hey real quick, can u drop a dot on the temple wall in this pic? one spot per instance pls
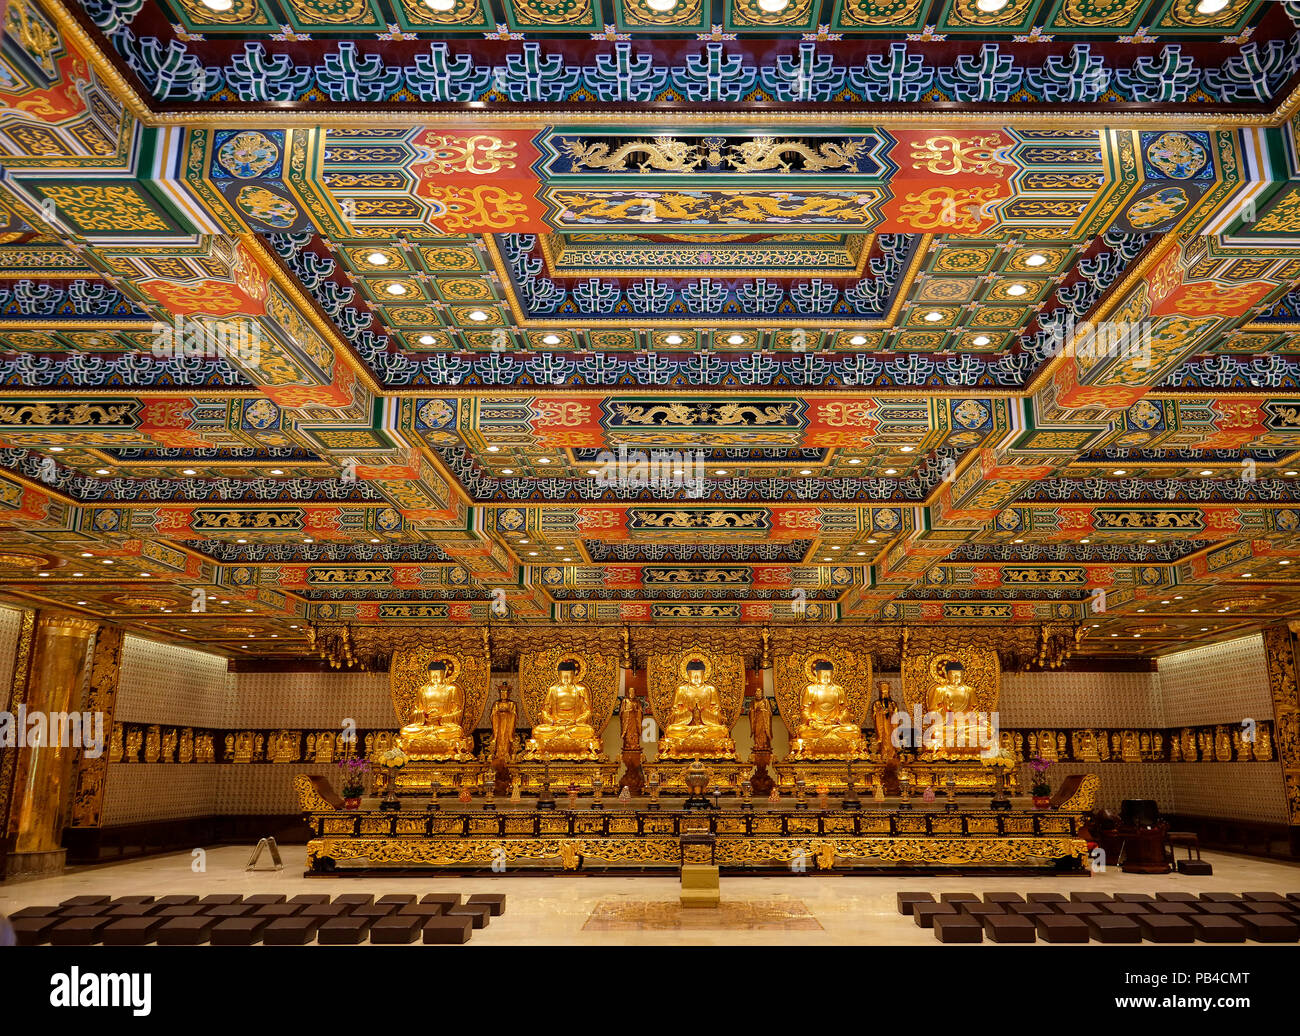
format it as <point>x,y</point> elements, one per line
<point>164,684</point>
<point>10,625</point>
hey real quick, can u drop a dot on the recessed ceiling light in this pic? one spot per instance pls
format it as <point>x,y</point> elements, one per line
<point>493,449</point>
<point>1293,472</point>
<point>933,316</point>
<point>83,602</point>
<point>377,259</point>
<point>661,5</point>
<point>855,460</point>
<point>1151,541</point>
<point>532,553</point>
<point>43,575</point>
<point>440,5</point>
<point>145,575</point>
<point>87,554</point>
<point>981,340</point>
<point>1284,562</point>
<point>276,471</point>
<point>1037,259</point>
<point>241,541</point>
<point>1017,541</point>
<point>720,471</point>
<point>101,471</point>
<point>78,573</point>
<point>543,460</point>
<point>248,610</point>
<point>862,553</point>
<point>523,541</point>
<point>991,6</point>
<point>1141,610</point>
<point>858,340</point>
<point>1206,471</point>
<point>1247,575</point>
<point>507,471</point>
<point>592,471</point>
<point>891,471</point>
<point>1119,471</point>
<point>906,449</point>
<point>56,449</point>
<point>218,5</point>
<point>1085,540</point>
<point>773,6</point>
<point>835,548</point>
<point>107,561</point>
<point>550,339</point>
<point>426,339</point>
<point>307,539</point>
<point>805,471</point>
<point>735,339</point>
<point>871,541</point>
<point>396,289</point>
<point>477,315</point>
<point>826,559</point>
<point>1204,628</point>
<point>188,471</point>
<point>568,559</point>
<point>1211,6</point>
<point>674,339</point>
<point>1017,289</point>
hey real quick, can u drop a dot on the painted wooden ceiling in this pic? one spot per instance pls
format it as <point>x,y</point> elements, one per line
<point>948,311</point>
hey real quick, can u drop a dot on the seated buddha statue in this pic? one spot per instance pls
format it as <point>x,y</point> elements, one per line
<point>564,729</point>
<point>825,727</point>
<point>954,701</point>
<point>696,725</point>
<point>434,731</point>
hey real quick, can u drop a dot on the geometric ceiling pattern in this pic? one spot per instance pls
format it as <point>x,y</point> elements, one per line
<point>447,311</point>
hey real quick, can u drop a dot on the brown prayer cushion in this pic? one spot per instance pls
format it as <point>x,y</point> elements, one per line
<point>33,931</point>
<point>1009,928</point>
<point>1263,897</point>
<point>1217,928</point>
<point>131,910</point>
<point>907,900</point>
<point>35,911</point>
<point>264,899</point>
<point>1031,910</point>
<point>399,899</point>
<point>1282,909</point>
<point>447,899</point>
<point>1165,928</point>
<point>1079,909</point>
<point>1173,909</point>
<point>178,900</point>
<point>79,931</point>
<point>82,901</point>
<point>1220,897</point>
<point>958,897</point>
<point>979,911</point>
<point>290,931</point>
<point>1113,928</point>
<point>953,928</point>
<point>1091,897</point>
<point>324,911</point>
<point>1223,909</point>
<point>494,901</point>
<point>132,931</point>
<point>274,910</point>
<point>310,898</point>
<point>85,911</point>
<point>375,911</point>
<point>1003,897</point>
<point>1270,927</point>
<point>189,910</point>
<point>1175,897</point>
<point>1045,897</point>
<point>1125,909</point>
<point>221,899</point>
<point>443,929</point>
<point>1134,897</point>
<point>131,900</point>
<point>356,899</point>
<point>1061,928</point>
<point>344,930</point>
<point>396,929</point>
<point>185,931</point>
<point>479,914</point>
<point>231,910</point>
<point>425,910</point>
<point>238,931</point>
<point>924,913</point>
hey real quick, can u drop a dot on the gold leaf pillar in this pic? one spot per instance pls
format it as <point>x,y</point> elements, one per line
<point>92,774</point>
<point>43,774</point>
<point>1280,650</point>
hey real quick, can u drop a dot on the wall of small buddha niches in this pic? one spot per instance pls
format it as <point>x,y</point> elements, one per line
<point>191,739</point>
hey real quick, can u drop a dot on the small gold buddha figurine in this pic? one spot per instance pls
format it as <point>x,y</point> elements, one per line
<point>564,730</point>
<point>434,731</point>
<point>825,727</point>
<point>696,724</point>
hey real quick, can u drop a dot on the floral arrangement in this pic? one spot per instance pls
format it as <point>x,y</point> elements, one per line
<point>354,770</point>
<point>1040,788</point>
<point>1001,760</point>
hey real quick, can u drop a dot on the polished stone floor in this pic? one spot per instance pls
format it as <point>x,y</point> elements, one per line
<point>801,909</point>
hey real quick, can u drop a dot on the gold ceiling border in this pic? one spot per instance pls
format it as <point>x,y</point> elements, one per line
<point>598,673</point>
<point>794,671</point>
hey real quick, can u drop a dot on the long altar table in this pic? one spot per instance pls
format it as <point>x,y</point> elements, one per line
<point>622,836</point>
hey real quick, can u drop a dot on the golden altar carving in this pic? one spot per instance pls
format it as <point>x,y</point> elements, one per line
<point>547,691</point>
<point>414,688</point>
<point>823,725</point>
<point>927,683</point>
<point>697,696</point>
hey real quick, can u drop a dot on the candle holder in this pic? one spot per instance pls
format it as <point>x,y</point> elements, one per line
<point>489,790</point>
<point>747,794</point>
<point>800,790</point>
<point>596,787</point>
<point>434,788</point>
<point>904,792</point>
<point>950,794</point>
<point>654,790</point>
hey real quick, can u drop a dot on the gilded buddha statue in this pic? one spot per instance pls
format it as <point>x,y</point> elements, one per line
<point>826,728</point>
<point>564,729</point>
<point>696,724</point>
<point>951,698</point>
<point>435,731</point>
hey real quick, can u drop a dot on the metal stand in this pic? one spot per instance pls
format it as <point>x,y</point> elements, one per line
<point>265,843</point>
